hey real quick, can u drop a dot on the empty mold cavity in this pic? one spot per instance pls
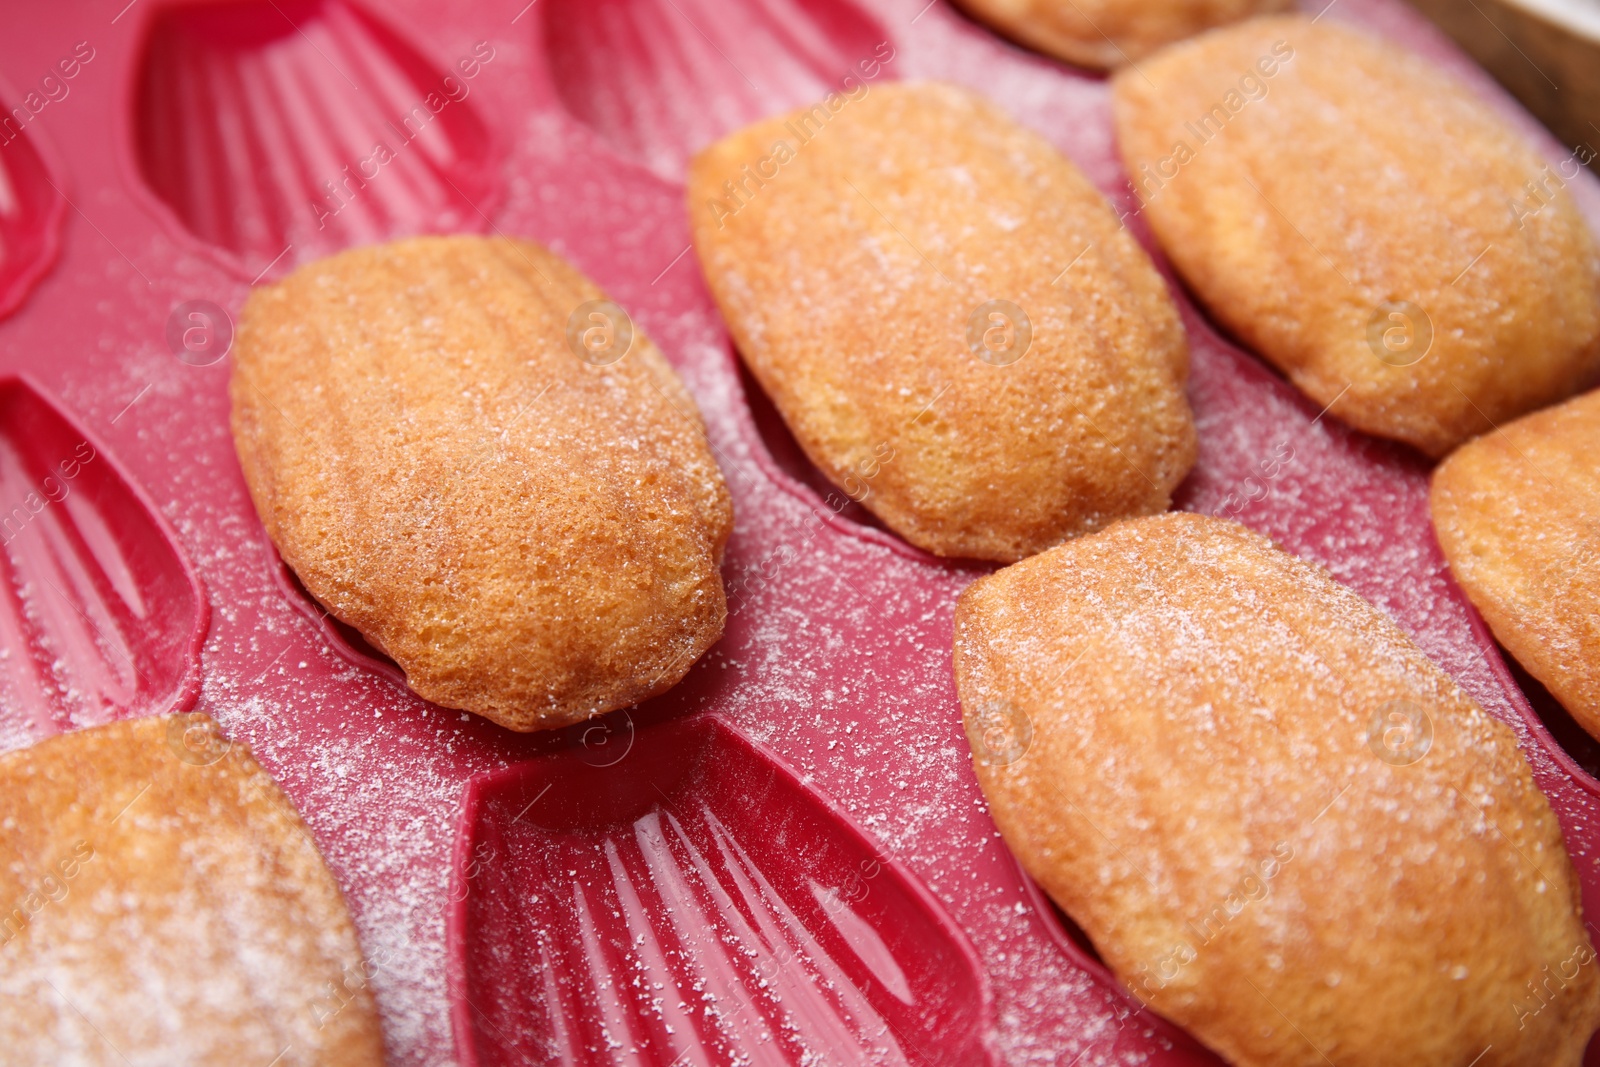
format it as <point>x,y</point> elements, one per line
<point>267,125</point>
<point>694,904</point>
<point>661,79</point>
<point>30,211</point>
<point>101,617</point>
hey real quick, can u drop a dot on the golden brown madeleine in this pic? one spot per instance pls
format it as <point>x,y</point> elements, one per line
<point>1517,512</point>
<point>500,484</point>
<point>1109,33</point>
<point>1366,224</point>
<point>1282,826</point>
<point>948,317</point>
<point>166,905</point>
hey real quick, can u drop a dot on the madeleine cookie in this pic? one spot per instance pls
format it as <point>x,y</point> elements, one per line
<point>1366,224</point>
<point>1109,33</point>
<point>1517,512</point>
<point>470,456</point>
<point>1282,826</point>
<point>948,317</point>
<point>166,905</point>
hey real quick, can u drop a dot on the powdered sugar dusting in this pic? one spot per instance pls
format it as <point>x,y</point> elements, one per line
<point>837,649</point>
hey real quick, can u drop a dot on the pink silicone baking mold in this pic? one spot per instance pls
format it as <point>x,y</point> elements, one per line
<point>786,858</point>
<point>702,907</point>
<point>31,206</point>
<point>101,616</point>
<point>280,132</point>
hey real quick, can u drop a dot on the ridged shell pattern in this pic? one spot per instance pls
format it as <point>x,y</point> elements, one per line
<point>30,209</point>
<point>661,79</point>
<point>694,904</point>
<point>282,131</point>
<point>100,616</point>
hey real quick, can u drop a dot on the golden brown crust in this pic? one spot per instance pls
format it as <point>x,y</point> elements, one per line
<point>849,278</point>
<point>1517,512</point>
<point>1210,754</point>
<point>532,537</point>
<point>166,905</point>
<point>1342,182</point>
<point>1102,34</point>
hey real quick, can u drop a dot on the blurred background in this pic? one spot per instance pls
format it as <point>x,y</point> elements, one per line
<point>1546,52</point>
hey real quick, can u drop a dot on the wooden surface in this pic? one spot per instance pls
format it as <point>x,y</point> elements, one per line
<point>1546,52</point>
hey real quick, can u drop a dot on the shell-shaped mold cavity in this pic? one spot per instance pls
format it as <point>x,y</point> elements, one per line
<point>282,130</point>
<point>691,902</point>
<point>31,207</point>
<point>101,616</point>
<point>661,79</point>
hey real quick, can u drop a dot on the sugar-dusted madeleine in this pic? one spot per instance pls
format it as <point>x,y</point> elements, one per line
<point>1281,825</point>
<point>499,481</point>
<point>1517,512</point>
<point>1366,224</point>
<point>1110,33</point>
<point>166,905</point>
<point>948,317</point>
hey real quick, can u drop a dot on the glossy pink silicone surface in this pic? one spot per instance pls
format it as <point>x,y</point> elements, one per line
<point>276,133</point>
<point>101,617</point>
<point>701,906</point>
<point>31,206</point>
<point>786,858</point>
